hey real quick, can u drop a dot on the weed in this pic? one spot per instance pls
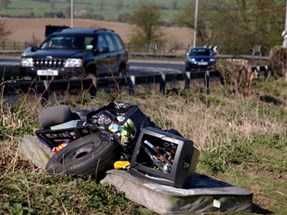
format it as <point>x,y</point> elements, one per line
<point>222,155</point>
<point>241,140</point>
<point>30,193</point>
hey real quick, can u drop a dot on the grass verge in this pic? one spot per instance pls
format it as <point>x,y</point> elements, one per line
<point>242,140</point>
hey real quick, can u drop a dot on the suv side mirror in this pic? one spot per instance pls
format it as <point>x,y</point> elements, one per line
<point>33,48</point>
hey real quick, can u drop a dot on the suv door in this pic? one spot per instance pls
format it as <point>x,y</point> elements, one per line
<point>112,52</point>
<point>122,54</point>
<point>102,55</point>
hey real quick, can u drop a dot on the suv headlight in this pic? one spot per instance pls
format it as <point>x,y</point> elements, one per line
<point>27,62</point>
<point>73,62</point>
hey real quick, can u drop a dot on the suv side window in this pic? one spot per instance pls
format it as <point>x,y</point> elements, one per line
<point>101,43</point>
<point>111,44</point>
<point>89,41</point>
<point>118,41</point>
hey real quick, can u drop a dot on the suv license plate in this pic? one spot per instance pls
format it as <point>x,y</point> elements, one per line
<point>202,63</point>
<point>47,72</point>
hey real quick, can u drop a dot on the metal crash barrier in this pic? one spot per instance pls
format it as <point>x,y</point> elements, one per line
<point>158,80</point>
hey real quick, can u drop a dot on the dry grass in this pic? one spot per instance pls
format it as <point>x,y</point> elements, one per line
<point>11,159</point>
<point>238,75</point>
<point>241,139</point>
<point>191,115</point>
<point>278,58</point>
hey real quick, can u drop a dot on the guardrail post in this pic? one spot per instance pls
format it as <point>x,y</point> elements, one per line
<point>266,71</point>
<point>132,83</point>
<point>162,83</point>
<point>93,88</point>
<point>187,80</point>
<point>206,81</point>
<point>43,88</point>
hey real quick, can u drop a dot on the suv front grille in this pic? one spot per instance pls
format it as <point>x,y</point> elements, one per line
<point>49,63</point>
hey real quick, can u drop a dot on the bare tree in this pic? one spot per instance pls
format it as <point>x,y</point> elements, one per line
<point>101,5</point>
<point>146,19</point>
<point>237,26</point>
<point>119,5</point>
<point>4,33</point>
<point>174,4</point>
<point>52,5</point>
<point>186,18</point>
<point>247,23</point>
<point>5,3</point>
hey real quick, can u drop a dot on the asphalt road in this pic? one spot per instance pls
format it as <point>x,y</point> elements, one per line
<point>5,61</point>
<point>137,67</point>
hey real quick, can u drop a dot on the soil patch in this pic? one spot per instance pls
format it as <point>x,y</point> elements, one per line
<point>27,29</point>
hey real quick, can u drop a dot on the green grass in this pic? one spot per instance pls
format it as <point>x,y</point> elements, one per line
<point>110,11</point>
<point>242,140</point>
<point>42,194</point>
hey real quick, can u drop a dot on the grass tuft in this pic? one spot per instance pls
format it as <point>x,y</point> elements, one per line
<point>242,140</point>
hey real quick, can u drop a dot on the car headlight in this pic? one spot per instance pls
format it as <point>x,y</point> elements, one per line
<point>27,62</point>
<point>191,59</point>
<point>212,60</point>
<point>73,62</point>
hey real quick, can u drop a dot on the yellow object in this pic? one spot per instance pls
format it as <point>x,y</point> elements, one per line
<point>121,164</point>
<point>59,147</point>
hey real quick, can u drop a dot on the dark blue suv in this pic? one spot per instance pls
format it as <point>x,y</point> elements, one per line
<point>199,58</point>
<point>75,53</point>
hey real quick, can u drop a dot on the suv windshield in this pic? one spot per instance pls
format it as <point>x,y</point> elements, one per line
<point>67,42</point>
<point>200,52</point>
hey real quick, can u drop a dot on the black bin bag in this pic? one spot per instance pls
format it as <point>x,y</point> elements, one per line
<point>104,116</point>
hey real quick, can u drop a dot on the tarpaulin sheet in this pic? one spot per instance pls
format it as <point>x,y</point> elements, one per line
<point>201,194</point>
<point>35,150</point>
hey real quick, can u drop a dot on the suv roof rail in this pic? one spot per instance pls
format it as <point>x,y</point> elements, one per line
<point>103,29</point>
<point>94,30</point>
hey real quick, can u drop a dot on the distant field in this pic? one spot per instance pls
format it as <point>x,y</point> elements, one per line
<point>110,10</point>
<point>26,19</point>
<point>24,30</point>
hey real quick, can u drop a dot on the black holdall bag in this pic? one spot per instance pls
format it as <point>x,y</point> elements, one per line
<point>105,115</point>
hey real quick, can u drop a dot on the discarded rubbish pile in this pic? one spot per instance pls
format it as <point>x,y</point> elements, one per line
<point>119,145</point>
<point>118,135</point>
